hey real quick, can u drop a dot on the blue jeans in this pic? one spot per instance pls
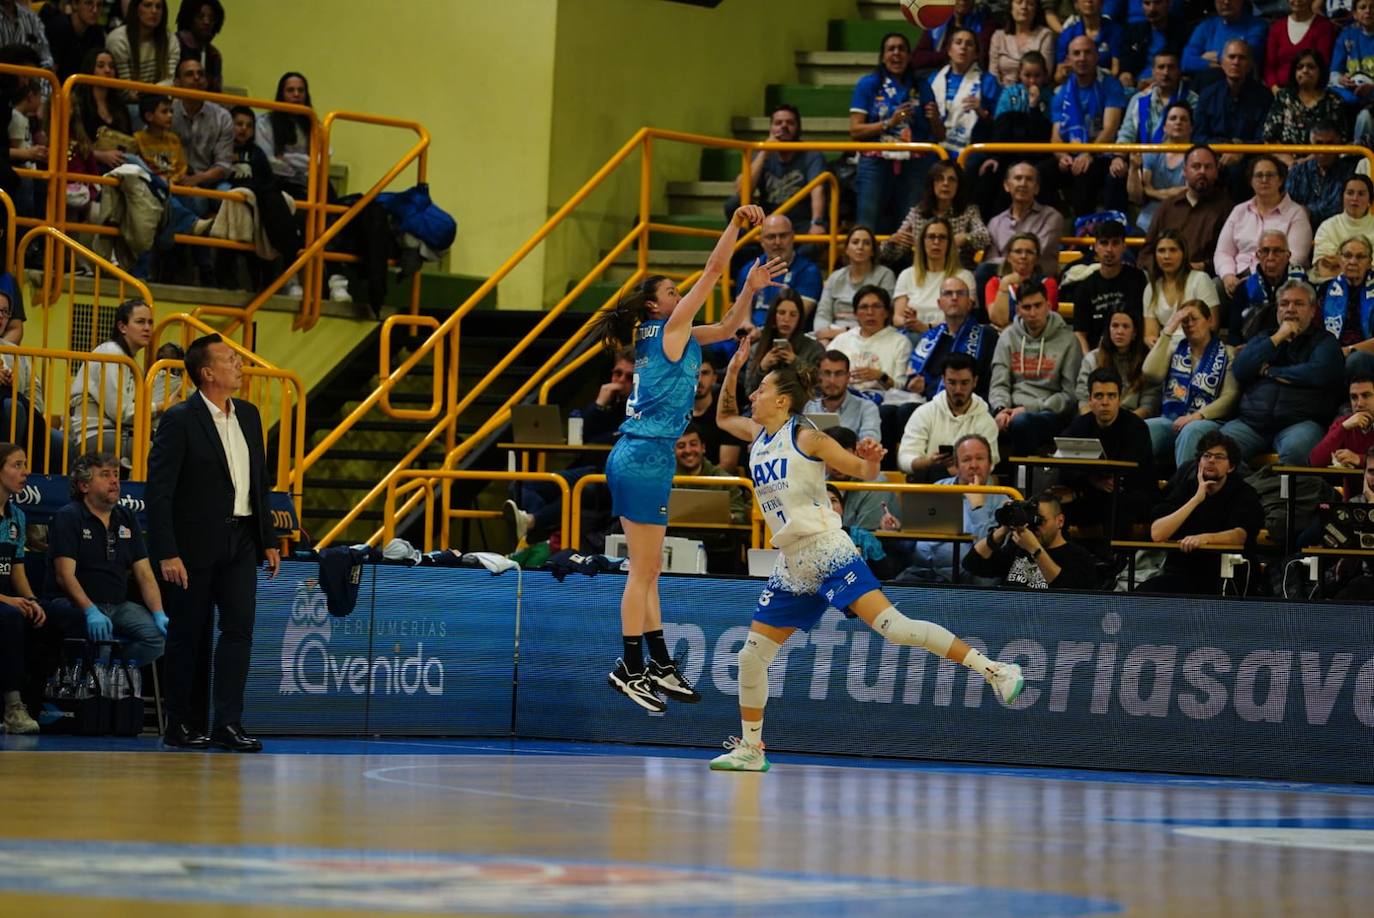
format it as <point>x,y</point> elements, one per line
<point>1030,430</point>
<point>886,189</point>
<point>1293,443</point>
<point>133,627</point>
<point>1184,443</point>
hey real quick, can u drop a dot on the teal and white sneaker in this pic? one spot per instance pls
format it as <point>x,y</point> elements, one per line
<point>1007,681</point>
<point>742,756</point>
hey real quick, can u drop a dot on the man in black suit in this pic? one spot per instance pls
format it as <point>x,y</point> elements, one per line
<point>208,526</point>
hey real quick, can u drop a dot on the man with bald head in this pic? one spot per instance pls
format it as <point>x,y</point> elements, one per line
<point>779,241</point>
<point>1233,110</point>
<point>1251,309</point>
<point>1087,108</point>
<point>1204,54</point>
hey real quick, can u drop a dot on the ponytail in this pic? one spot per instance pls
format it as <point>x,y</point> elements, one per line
<point>797,384</point>
<point>615,327</point>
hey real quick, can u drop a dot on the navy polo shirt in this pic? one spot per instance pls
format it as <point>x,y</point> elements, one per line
<point>104,558</point>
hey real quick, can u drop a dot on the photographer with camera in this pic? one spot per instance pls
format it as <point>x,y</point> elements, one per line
<point>1028,549</point>
<point>1207,504</point>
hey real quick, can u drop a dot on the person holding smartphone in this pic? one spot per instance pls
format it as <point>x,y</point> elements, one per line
<point>783,341</point>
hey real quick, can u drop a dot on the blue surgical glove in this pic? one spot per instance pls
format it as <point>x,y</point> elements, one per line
<point>98,625</point>
<point>160,619</point>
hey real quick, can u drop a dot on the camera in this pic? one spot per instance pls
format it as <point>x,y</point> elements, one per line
<point>1016,513</point>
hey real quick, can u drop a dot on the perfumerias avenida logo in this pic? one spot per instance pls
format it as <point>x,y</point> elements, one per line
<point>322,655</point>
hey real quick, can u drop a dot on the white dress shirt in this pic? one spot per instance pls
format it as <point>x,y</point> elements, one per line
<point>236,450</point>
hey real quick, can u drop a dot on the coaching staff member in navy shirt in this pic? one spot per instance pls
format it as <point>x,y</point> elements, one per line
<point>208,527</point>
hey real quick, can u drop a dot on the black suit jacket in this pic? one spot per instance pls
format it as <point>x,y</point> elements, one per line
<point>190,495</point>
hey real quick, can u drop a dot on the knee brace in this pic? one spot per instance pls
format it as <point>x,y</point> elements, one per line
<point>758,651</point>
<point>899,629</point>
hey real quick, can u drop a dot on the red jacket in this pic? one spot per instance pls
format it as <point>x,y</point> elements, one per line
<point>1279,51</point>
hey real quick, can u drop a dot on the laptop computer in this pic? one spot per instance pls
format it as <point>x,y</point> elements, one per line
<point>927,512</point>
<point>824,419</point>
<point>1078,448</point>
<point>698,505</point>
<point>538,424</point>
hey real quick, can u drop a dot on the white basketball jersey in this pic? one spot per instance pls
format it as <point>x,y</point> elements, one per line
<point>790,487</point>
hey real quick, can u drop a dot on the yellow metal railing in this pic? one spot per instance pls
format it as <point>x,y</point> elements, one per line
<point>63,254</point>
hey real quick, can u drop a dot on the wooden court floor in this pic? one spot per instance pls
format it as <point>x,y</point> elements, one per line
<point>345,828</point>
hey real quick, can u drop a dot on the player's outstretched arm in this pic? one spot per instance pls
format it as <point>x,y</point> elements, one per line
<point>728,417</point>
<point>761,275</point>
<point>864,463</point>
<point>680,323</point>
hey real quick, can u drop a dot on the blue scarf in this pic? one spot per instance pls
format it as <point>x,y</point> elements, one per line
<point>1336,303</point>
<point>1257,292</point>
<point>1143,117</point>
<point>1188,388</point>
<point>1075,124</point>
<point>970,340</point>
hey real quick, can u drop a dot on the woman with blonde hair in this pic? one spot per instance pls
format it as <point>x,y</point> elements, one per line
<point>916,298</point>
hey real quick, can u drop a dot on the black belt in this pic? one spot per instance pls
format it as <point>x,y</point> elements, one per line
<point>238,520</point>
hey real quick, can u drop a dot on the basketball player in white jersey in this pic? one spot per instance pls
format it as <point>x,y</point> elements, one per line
<point>818,565</point>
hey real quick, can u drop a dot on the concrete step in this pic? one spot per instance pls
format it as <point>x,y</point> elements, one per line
<point>703,198</point>
<point>834,68</point>
<point>884,10</point>
<point>829,128</point>
<point>812,101</point>
<point>867,34</point>
<point>713,222</point>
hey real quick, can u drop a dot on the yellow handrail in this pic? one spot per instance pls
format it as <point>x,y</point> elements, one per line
<point>436,402</point>
<point>709,481</point>
<point>56,242</point>
<point>419,480</point>
<point>58,412</point>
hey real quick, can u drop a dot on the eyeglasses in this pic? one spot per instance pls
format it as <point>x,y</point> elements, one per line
<point>1216,456</point>
<point>932,237</point>
<point>1272,250</point>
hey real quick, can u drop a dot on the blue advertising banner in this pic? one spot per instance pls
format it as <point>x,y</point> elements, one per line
<point>1257,688</point>
<point>426,651</point>
<point>1262,689</point>
<point>44,495</point>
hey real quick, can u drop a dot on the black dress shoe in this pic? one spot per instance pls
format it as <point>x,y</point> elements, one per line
<point>180,737</point>
<point>232,737</point>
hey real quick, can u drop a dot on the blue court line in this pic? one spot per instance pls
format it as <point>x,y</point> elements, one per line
<point>505,746</point>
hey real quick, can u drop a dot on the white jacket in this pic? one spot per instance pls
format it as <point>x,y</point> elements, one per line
<point>933,425</point>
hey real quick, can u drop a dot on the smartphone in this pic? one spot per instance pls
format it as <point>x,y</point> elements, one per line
<point>782,344</point>
<point>947,450</point>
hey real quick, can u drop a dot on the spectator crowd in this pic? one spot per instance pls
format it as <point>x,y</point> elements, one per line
<point>1221,314</point>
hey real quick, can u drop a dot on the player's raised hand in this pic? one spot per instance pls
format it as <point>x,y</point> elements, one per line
<point>741,355</point>
<point>750,214</point>
<point>870,450</point>
<point>764,274</point>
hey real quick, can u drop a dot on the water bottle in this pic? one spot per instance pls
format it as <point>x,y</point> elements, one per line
<point>53,687</point>
<point>119,680</point>
<point>135,680</point>
<point>90,687</point>
<point>100,678</point>
<point>74,687</point>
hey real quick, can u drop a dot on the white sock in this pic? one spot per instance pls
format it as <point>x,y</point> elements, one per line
<point>13,700</point>
<point>752,732</point>
<point>979,663</point>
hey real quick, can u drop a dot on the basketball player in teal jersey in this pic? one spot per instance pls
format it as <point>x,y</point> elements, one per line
<point>818,565</point>
<point>658,319</point>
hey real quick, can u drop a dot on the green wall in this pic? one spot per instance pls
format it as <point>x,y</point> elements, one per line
<point>525,99</point>
<point>625,64</point>
<point>475,73</point>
